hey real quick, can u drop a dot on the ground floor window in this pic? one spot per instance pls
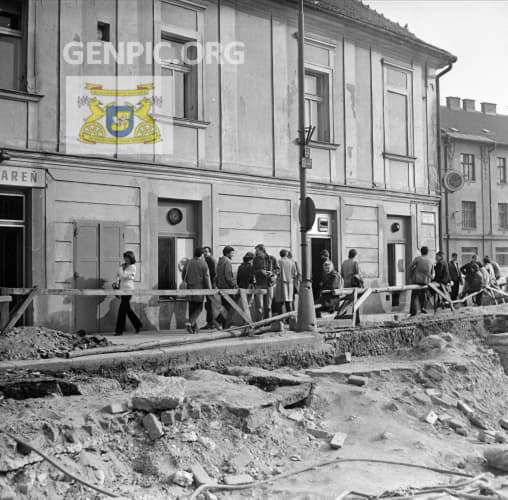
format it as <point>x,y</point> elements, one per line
<point>502,256</point>
<point>467,253</point>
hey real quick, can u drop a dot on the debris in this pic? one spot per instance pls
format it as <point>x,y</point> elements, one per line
<point>432,343</point>
<point>168,417</point>
<point>208,443</point>
<point>189,437</point>
<point>342,359</point>
<point>457,426</point>
<point>465,408</point>
<point>338,440</point>
<point>497,458</point>
<point>391,407</point>
<point>445,418</point>
<point>431,418</point>
<point>444,400</point>
<point>115,408</point>
<point>241,460</point>
<point>295,458</point>
<point>478,421</point>
<point>435,371</point>
<point>488,437</point>
<point>200,475</point>
<point>6,492</point>
<point>358,380</point>
<point>160,393</point>
<point>385,436</point>
<point>500,437</point>
<point>153,426</point>
<point>432,392</point>
<point>422,398</point>
<point>232,480</point>
<point>295,416</point>
<point>504,423</point>
<point>318,433</point>
<point>183,478</point>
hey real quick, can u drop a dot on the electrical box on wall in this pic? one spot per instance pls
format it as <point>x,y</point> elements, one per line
<point>323,224</point>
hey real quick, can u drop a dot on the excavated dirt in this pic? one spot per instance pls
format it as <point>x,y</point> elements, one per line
<point>32,342</point>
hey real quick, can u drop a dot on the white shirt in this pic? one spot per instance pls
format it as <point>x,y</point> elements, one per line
<point>126,277</point>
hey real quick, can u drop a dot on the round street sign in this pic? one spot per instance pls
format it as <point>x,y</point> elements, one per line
<point>307,214</point>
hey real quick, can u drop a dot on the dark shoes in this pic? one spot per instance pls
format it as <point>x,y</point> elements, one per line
<point>138,329</point>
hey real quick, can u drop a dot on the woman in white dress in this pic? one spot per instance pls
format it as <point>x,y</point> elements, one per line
<point>125,281</point>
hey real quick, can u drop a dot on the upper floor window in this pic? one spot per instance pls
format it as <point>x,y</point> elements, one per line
<point>180,65</point>
<point>468,215</point>
<point>398,111</point>
<point>12,44</point>
<point>317,104</point>
<point>502,256</point>
<point>501,170</point>
<point>468,167</point>
<point>503,215</point>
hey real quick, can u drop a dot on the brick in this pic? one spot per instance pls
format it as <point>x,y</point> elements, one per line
<point>235,480</point>
<point>318,433</point>
<point>168,417</point>
<point>338,440</point>
<point>431,418</point>
<point>358,380</point>
<point>200,475</point>
<point>153,426</point>
<point>114,408</point>
<point>465,408</point>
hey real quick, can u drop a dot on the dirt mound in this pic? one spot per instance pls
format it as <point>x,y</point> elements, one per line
<point>31,342</point>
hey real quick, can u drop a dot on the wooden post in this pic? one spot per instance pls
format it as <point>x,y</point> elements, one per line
<point>5,300</point>
<point>20,310</point>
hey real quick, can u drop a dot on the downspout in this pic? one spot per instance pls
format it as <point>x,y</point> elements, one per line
<point>453,59</point>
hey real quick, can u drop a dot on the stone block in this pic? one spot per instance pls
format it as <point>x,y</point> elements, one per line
<point>164,393</point>
<point>338,440</point>
<point>200,475</point>
<point>153,426</point>
<point>478,421</point>
<point>344,358</point>
<point>235,480</point>
<point>168,417</point>
<point>358,380</point>
<point>115,408</point>
<point>318,433</point>
<point>488,437</point>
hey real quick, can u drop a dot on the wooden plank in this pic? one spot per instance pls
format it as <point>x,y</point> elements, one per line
<point>445,296</point>
<point>362,299</point>
<point>21,310</point>
<point>353,306</point>
<point>95,292</point>
<point>263,322</point>
<point>5,298</point>
<point>234,305</point>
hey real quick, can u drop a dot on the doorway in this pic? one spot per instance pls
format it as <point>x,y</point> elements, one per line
<point>398,253</point>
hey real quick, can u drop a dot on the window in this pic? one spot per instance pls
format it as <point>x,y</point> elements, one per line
<point>398,111</point>
<point>501,170</point>
<point>502,256</point>
<point>103,32</point>
<point>317,105</point>
<point>467,253</point>
<point>468,215</point>
<point>468,170</point>
<point>179,58</point>
<point>12,44</point>
<point>503,215</point>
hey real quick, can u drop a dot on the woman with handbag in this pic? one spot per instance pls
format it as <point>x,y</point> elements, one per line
<point>125,281</point>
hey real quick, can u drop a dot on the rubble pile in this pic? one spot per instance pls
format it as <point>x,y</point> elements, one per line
<point>33,342</point>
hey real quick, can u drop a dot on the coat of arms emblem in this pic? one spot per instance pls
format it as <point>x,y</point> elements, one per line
<point>114,123</point>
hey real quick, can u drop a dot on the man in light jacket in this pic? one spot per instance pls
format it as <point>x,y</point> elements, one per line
<point>197,277</point>
<point>420,273</point>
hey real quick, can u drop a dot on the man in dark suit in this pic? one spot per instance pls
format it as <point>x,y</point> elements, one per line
<point>455,276</point>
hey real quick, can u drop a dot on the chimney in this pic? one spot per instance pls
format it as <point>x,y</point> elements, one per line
<point>468,105</point>
<point>453,103</point>
<point>488,108</point>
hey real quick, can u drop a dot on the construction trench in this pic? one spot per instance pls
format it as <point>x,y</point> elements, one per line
<point>416,408</point>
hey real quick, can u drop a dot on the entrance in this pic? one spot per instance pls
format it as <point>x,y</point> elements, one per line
<point>12,241</point>
<point>398,253</point>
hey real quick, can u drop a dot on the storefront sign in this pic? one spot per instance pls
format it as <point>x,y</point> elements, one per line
<point>22,177</point>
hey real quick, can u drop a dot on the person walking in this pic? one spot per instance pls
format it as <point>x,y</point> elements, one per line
<point>420,273</point>
<point>455,276</point>
<point>197,277</point>
<point>441,277</point>
<point>225,281</point>
<point>125,276</point>
<point>245,273</point>
<point>266,271</point>
<point>350,272</point>
<point>210,304</point>
<point>284,288</point>
<point>297,282</point>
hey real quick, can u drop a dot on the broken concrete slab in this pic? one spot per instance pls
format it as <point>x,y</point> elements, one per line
<point>267,379</point>
<point>358,380</point>
<point>161,393</point>
<point>153,426</point>
<point>200,475</point>
<point>290,395</point>
<point>318,433</point>
<point>431,418</point>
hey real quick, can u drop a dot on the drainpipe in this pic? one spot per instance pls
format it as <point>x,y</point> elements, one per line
<point>452,60</point>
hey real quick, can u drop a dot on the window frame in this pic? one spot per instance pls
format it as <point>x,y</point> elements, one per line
<point>325,74</point>
<point>502,251</point>
<point>470,167</point>
<point>409,94</point>
<point>502,213</point>
<point>22,34</point>
<point>501,169</point>
<point>473,216</point>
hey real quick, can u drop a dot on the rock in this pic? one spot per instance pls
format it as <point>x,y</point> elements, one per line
<point>447,337</point>
<point>241,460</point>
<point>181,414</point>
<point>358,380</point>
<point>497,458</point>
<point>295,416</point>
<point>209,496</point>
<point>200,475</point>
<point>232,480</point>
<point>189,437</point>
<point>488,437</point>
<point>432,343</point>
<point>500,437</point>
<point>208,443</point>
<point>50,431</point>
<point>343,359</point>
<point>338,440</point>
<point>432,392</point>
<point>318,433</point>
<point>295,458</point>
<point>115,408</point>
<point>444,400</point>
<point>391,407</point>
<point>290,395</point>
<point>435,371</point>
<point>431,418</point>
<point>465,408</point>
<point>6,492</point>
<point>267,379</point>
<point>445,418</point>
<point>478,421</point>
<point>385,436</point>
<point>183,478</point>
<point>163,393</point>
<point>422,398</point>
<point>168,417</point>
<point>25,481</point>
<point>461,431</point>
<point>504,423</point>
<point>456,424</point>
<point>153,426</point>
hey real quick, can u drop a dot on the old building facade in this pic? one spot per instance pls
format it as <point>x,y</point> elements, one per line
<point>232,175</point>
<point>475,144</point>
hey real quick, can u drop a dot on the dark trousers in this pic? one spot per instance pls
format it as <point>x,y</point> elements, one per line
<point>277,307</point>
<point>124,311</point>
<point>209,311</point>
<point>454,294</point>
<point>418,295</point>
<point>223,321</point>
<point>195,309</point>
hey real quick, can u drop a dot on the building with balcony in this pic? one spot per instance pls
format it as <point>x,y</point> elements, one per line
<point>229,174</point>
<point>475,145</point>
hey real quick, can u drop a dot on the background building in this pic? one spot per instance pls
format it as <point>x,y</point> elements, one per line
<point>233,175</point>
<point>475,144</point>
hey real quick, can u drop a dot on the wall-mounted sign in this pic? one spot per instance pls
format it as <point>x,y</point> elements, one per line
<point>22,177</point>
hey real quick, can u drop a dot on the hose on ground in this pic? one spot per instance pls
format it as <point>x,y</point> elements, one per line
<point>284,475</point>
<point>54,463</point>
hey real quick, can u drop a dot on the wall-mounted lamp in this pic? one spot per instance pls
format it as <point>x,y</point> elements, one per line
<point>4,156</point>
